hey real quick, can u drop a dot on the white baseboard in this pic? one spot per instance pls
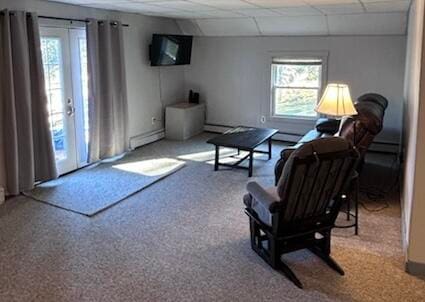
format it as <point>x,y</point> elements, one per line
<point>144,139</point>
<point>292,138</point>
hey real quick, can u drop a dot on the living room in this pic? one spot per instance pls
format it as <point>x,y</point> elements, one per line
<point>211,150</point>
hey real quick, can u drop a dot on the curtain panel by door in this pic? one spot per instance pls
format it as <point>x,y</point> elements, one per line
<point>27,154</point>
<point>108,115</point>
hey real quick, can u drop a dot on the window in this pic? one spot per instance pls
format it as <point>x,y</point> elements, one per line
<point>296,87</point>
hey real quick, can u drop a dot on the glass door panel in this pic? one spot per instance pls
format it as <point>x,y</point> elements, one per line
<point>80,91</point>
<point>58,82</point>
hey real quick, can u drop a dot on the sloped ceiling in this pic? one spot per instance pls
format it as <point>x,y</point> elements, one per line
<point>270,17</point>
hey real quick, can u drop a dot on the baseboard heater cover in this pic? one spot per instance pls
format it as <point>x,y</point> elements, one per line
<point>144,139</point>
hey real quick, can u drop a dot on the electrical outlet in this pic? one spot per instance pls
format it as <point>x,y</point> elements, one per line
<point>153,120</point>
<point>263,119</point>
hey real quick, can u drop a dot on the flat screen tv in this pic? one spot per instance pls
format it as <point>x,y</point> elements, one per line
<point>168,50</point>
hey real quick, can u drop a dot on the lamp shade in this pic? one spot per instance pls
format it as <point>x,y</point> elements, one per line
<point>336,101</point>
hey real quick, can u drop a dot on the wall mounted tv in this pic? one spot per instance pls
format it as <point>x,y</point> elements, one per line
<point>168,50</point>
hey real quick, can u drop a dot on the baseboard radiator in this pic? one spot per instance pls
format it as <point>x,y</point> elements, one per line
<point>144,139</point>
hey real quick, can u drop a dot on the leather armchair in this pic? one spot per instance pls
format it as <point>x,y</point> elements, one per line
<point>359,130</point>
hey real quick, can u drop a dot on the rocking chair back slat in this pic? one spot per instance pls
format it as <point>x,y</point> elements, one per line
<point>320,181</point>
<point>299,193</point>
<point>312,184</point>
<point>330,186</point>
<point>322,188</point>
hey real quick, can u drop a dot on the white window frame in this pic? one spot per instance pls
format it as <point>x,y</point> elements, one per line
<point>298,55</point>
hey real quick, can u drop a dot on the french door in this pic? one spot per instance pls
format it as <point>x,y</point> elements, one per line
<point>64,55</point>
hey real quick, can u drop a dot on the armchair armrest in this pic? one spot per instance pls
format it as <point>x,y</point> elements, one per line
<point>326,125</point>
<point>265,198</point>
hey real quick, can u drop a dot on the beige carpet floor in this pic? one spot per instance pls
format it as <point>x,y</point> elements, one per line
<point>186,238</point>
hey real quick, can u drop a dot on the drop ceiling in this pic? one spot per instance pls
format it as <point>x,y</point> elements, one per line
<point>270,17</point>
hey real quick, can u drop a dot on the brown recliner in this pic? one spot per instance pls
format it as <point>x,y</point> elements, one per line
<point>359,130</point>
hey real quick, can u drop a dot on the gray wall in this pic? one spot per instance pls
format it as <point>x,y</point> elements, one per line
<point>145,84</point>
<point>233,75</point>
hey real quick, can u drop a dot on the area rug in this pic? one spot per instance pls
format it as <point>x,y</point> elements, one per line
<point>97,188</point>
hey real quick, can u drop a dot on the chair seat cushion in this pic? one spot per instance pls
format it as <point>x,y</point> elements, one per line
<point>262,211</point>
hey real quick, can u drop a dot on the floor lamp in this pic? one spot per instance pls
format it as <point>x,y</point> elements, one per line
<point>336,102</point>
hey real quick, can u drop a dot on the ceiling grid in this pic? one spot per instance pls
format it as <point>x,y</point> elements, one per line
<point>270,17</point>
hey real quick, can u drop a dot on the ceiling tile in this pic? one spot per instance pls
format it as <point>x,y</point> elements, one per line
<point>228,27</point>
<point>225,4</point>
<point>184,15</point>
<point>181,5</point>
<point>298,11</point>
<point>330,2</point>
<point>393,6</point>
<point>189,27</point>
<point>223,14</point>
<point>374,1</point>
<point>341,9</point>
<point>77,2</point>
<point>276,3</point>
<point>115,5</point>
<point>311,25</point>
<point>368,24</point>
<point>257,12</point>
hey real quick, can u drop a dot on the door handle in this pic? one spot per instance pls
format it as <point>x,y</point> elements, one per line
<point>70,110</point>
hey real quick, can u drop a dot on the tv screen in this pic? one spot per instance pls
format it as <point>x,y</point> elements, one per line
<point>170,50</point>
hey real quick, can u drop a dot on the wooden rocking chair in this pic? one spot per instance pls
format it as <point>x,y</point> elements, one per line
<point>301,210</point>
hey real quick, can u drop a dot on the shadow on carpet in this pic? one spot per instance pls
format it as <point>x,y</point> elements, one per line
<point>97,188</point>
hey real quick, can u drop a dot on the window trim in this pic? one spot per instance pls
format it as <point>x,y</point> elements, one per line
<point>296,55</point>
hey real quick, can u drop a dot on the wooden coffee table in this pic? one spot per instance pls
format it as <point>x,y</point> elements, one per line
<point>243,138</point>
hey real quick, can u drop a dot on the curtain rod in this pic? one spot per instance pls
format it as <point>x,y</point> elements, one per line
<point>70,19</point>
<point>76,20</point>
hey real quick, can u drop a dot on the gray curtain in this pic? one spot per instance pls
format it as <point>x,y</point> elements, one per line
<point>27,143</point>
<point>108,116</point>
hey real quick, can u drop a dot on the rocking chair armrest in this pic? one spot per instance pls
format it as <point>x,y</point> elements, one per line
<point>262,196</point>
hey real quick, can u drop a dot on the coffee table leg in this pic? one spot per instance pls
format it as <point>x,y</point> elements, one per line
<point>217,153</point>
<point>270,148</point>
<point>251,159</point>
